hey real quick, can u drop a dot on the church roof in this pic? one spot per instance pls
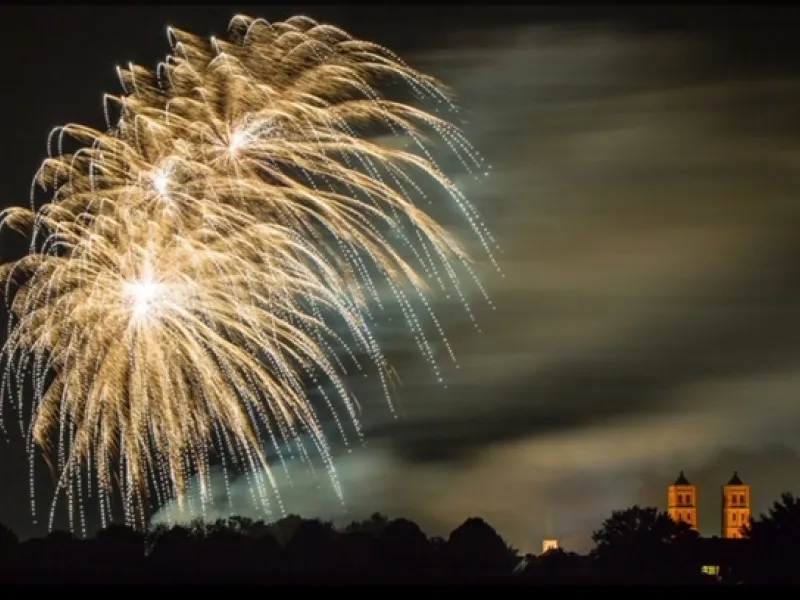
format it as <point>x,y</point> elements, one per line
<point>735,479</point>
<point>681,480</point>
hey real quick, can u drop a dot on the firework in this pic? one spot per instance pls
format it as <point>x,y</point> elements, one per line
<point>218,252</point>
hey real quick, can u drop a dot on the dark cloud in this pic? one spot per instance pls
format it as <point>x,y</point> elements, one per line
<point>739,330</point>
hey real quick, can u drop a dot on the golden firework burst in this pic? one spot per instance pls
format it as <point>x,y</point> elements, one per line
<point>205,261</point>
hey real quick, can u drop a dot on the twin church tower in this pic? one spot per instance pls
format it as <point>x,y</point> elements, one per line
<point>682,504</point>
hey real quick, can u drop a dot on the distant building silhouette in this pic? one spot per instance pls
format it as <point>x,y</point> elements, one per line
<point>682,501</point>
<point>735,507</point>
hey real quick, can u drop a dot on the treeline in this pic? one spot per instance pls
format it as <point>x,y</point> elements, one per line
<point>632,545</point>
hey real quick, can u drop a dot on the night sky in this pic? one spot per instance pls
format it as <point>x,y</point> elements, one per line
<point>645,193</point>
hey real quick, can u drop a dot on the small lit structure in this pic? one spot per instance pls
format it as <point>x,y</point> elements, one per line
<point>712,570</point>
<point>548,545</point>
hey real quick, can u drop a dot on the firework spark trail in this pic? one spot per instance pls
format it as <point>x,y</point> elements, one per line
<point>197,261</point>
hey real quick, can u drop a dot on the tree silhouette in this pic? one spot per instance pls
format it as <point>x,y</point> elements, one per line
<point>632,545</point>
<point>64,553</point>
<point>154,533</point>
<point>267,552</point>
<point>310,548</point>
<point>241,524</point>
<point>775,541</point>
<point>356,552</point>
<point>373,526</point>
<point>645,541</point>
<point>556,565</point>
<point>9,546</point>
<point>257,530</point>
<point>175,538</point>
<point>174,550</point>
<point>235,545</point>
<point>120,547</point>
<point>474,547</point>
<point>203,529</point>
<point>119,535</point>
<point>404,548</point>
<point>284,529</point>
<point>8,539</point>
<point>225,548</point>
<point>60,538</point>
<point>439,555</point>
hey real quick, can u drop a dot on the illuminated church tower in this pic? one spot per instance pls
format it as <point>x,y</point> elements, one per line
<point>682,501</point>
<point>735,507</point>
